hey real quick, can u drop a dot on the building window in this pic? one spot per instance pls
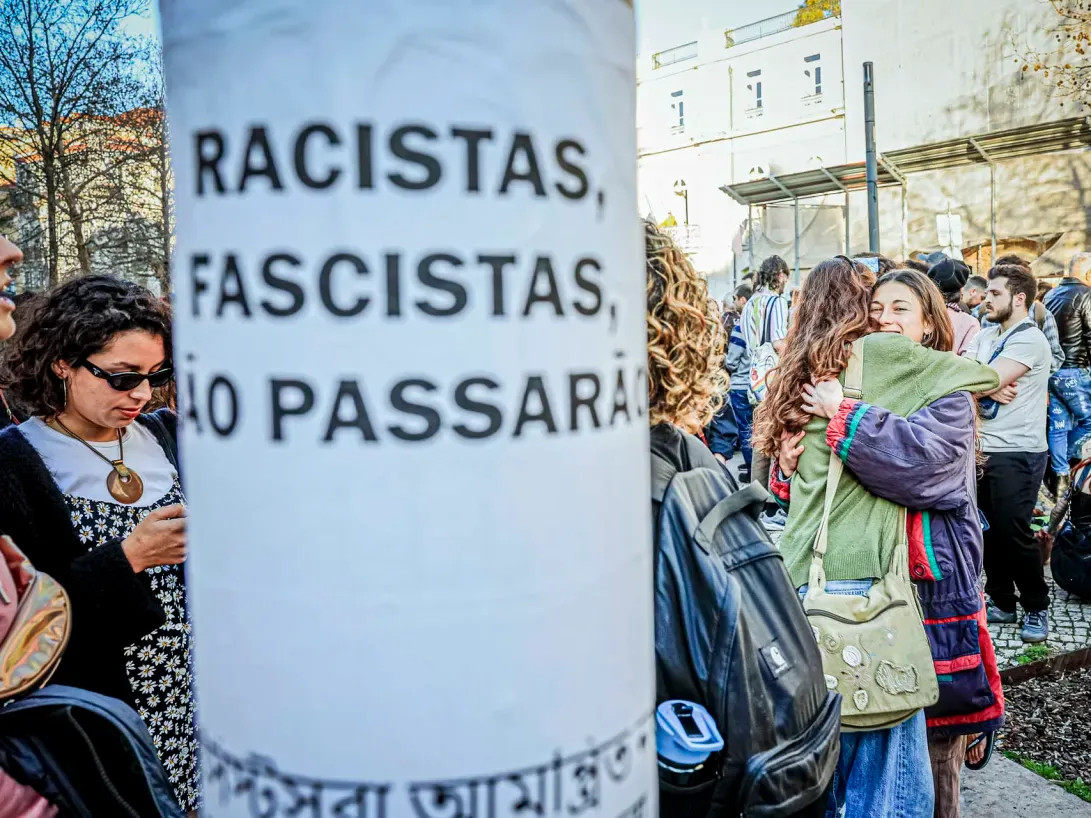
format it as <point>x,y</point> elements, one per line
<point>754,86</point>
<point>679,112</point>
<point>814,71</point>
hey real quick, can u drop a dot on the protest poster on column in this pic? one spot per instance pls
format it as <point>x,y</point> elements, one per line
<point>409,295</point>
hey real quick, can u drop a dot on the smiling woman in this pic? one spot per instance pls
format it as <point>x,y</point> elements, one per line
<point>89,487</point>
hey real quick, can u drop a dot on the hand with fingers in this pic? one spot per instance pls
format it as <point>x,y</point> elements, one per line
<point>791,447</point>
<point>159,539</point>
<point>1006,394</point>
<point>823,399</point>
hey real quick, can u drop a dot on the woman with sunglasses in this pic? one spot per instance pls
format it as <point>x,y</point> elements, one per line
<point>89,488</point>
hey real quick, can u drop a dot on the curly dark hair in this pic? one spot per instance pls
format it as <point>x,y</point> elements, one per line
<point>686,377</point>
<point>771,269</point>
<point>74,321</point>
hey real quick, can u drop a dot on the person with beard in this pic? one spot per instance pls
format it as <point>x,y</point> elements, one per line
<point>1013,435</point>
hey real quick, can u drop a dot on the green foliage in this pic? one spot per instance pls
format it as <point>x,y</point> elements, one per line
<point>1033,653</point>
<point>812,11</point>
<point>1077,787</point>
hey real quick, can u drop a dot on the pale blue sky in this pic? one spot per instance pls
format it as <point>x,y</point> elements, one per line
<point>660,23</point>
<point>663,24</point>
<point>147,24</point>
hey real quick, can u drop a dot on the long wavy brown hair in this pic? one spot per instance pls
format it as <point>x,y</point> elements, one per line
<point>834,310</point>
<point>686,376</point>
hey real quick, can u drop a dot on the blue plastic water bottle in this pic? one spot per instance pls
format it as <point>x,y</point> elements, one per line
<point>685,739</point>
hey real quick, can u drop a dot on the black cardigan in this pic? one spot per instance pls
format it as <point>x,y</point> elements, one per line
<point>112,607</point>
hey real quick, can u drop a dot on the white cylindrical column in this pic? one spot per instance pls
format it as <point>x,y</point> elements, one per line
<point>410,327</point>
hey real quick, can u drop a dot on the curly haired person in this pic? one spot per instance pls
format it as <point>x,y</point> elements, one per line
<point>89,488</point>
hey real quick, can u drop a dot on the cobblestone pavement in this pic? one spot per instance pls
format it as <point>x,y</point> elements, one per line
<point>1069,628</point>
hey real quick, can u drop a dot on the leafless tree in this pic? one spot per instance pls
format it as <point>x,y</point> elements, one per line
<point>1067,67</point>
<point>68,69</point>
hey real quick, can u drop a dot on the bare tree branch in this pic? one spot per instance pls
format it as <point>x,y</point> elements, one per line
<point>74,157</point>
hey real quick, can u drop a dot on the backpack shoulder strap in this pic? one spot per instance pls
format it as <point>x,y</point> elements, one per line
<point>1040,315</point>
<point>766,330</point>
<point>853,381</point>
<point>662,474</point>
<point>663,471</point>
<point>750,498</point>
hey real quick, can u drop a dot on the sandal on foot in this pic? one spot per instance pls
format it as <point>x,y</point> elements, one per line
<point>990,745</point>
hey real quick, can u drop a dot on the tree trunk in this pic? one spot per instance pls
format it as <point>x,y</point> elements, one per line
<point>166,229</point>
<point>75,216</point>
<point>54,250</point>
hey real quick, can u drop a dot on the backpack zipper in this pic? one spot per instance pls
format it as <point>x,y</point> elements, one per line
<point>98,765</point>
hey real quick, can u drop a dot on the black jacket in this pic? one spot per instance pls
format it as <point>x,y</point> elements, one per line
<point>112,607</point>
<point>1070,303</point>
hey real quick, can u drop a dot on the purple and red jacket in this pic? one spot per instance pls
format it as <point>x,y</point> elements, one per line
<point>927,463</point>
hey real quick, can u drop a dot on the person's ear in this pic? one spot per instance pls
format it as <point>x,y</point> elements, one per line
<point>62,369</point>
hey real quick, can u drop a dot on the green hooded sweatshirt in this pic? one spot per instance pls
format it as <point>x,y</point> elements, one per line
<point>903,377</point>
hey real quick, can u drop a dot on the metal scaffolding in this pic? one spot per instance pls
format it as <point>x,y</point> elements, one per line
<point>896,167</point>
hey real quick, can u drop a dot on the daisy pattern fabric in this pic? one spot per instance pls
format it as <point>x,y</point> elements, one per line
<point>159,667</point>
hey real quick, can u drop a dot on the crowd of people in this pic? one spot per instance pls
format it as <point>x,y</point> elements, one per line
<point>1032,429</point>
<point>902,419</point>
<point>975,393</point>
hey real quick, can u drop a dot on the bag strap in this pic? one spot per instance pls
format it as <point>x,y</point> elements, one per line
<point>751,498</point>
<point>1040,315</point>
<point>766,330</point>
<point>853,382</point>
<point>1012,334</point>
<point>854,374</point>
<point>662,474</point>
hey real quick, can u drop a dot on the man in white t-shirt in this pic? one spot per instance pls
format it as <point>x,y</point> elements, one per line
<point>1013,436</point>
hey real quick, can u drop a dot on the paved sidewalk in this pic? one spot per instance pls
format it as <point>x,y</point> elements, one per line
<point>1005,789</point>
<point>1069,628</point>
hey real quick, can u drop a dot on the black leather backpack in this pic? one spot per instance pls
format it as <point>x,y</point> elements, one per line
<point>730,635</point>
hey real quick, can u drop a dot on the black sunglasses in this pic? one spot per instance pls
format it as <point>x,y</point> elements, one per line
<point>128,381</point>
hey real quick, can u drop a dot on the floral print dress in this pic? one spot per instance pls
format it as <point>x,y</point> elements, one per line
<point>159,667</point>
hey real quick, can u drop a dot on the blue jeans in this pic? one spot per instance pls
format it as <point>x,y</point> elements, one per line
<point>881,772</point>
<point>744,419</point>
<point>721,434</point>
<point>1060,424</point>
<point>1071,389</point>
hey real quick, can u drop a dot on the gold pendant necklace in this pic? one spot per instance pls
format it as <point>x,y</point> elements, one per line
<point>123,483</point>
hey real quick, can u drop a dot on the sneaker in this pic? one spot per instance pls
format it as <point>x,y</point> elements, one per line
<point>995,616</point>
<point>744,474</point>
<point>775,521</point>
<point>1035,626</point>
